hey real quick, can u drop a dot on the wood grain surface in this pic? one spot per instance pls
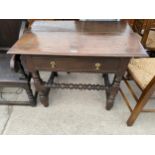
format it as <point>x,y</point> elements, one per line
<point>80,38</point>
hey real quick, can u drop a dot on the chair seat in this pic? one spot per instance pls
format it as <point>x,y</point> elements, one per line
<point>142,70</point>
<point>6,74</point>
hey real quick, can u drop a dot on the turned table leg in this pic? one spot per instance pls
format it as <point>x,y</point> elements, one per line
<point>113,90</point>
<point>32,98</point>
<point>40,86</point>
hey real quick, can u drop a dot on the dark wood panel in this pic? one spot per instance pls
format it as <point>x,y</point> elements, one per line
<point>76,64</point>
<point>9,31</point>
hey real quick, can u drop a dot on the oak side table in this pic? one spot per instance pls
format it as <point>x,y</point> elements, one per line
<point>78,46</point>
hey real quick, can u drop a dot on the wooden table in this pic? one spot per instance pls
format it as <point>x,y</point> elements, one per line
<point>78,46</point>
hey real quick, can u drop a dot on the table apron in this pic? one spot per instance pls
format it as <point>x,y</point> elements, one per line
<point>76,64</point>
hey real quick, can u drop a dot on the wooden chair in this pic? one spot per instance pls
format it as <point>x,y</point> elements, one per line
<point>10,31</point>
<point>143,73</point>
<point>146,30</point>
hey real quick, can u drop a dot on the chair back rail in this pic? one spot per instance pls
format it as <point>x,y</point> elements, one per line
<point>143,28</point>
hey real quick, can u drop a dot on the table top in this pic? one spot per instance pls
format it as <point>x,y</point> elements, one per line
<point>80,38</point>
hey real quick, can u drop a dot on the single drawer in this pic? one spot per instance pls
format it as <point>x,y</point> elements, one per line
<point>76,64</point>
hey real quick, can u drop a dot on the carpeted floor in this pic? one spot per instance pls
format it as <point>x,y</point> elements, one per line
<point>74,112</point>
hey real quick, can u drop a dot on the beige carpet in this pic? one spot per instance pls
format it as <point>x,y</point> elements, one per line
<point>77,112</point>
<point>5,111</point>
<point>4,116</point>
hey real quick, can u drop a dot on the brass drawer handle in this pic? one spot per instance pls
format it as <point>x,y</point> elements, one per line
<point>97,66</point>
<point>53,64</point>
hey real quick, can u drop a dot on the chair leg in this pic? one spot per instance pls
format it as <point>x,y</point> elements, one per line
<point>142,102</point>
<point>135,113</point>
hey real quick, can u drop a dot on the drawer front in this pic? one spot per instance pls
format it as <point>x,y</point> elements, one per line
<point>76,64</point>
